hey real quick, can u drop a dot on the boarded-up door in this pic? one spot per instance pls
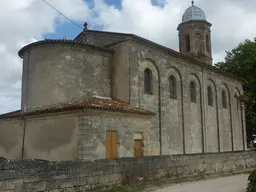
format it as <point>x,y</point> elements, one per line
<point>138,148</point>
<point>111,144</point>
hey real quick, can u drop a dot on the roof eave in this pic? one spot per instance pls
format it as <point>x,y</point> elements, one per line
<point>194,20</point>
<point>59,41</point>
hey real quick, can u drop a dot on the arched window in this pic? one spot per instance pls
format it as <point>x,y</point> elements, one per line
<point>198,42</point>
<point>237,102</point>
<point>188,43</point>
<point>193,92</point>
<point>173,92</point>
<point>148,81</point>
<point>207,43</point>
<point>224,99</point>
<point>210,96</point>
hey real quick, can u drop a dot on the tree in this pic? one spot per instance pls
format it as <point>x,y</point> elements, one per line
<point>241,61</point>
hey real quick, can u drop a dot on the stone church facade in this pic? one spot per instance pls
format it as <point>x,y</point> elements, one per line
<point>110,95</point>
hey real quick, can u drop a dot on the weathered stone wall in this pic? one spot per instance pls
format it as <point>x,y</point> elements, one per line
<point>54,73</point>
<point>237,120</point>
<point>193,115</point>
<point>211,119</point>
<point>11,134</point>
<point>185,127</point>
<point>181,123</point>
<point>92,134</point>
<point>76,134</point>
<point>52,137</point>
<point>172,118</point>
<point>120,72</point>
<point>28,175</point>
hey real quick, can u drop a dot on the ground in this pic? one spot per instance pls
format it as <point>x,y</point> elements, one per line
<point>235,183</point>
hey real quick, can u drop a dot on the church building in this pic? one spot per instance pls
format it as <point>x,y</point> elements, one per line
<point>111,95</point>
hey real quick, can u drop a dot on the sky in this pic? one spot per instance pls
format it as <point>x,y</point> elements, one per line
<point>26,21</point>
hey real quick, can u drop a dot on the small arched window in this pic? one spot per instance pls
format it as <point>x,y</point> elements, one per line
<point>148,88</point>
<point>207,43</point>
<point>210,96</point>
<point>193,92</point>
<point>188,43</point>
<point>224,99</point>
<point>173,92</point>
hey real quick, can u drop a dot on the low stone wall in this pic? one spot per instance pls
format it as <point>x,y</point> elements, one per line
<point>35,175</point>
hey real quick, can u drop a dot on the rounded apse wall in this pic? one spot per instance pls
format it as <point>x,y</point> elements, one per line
<point>62,71</point>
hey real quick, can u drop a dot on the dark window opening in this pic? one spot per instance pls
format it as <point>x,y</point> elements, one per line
<point>173,92</point>
<point>224,99</point>
<point>207,44</point>
<point>148,81</point>
<point>210,96</point>
<point>193,92</point>
<point>188,43</point>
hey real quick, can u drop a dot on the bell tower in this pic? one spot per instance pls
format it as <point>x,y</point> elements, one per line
<point>195,35</point>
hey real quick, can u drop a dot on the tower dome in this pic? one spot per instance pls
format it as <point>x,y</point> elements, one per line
<point>193,13</point>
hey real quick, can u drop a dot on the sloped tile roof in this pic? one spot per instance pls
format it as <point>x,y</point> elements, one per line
<point>95,103</point>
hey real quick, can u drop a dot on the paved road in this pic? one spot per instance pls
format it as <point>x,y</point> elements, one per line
<point>225,184</point>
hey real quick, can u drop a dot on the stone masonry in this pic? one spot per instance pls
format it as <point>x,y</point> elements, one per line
<point>35,175</point>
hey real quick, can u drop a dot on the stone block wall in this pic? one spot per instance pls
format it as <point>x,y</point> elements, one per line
<point>72,72</point>
<point>92,142</point>
<point>50,137</point>
<point>187,127</point>
<point>11,134</point>
<point>35,175</point>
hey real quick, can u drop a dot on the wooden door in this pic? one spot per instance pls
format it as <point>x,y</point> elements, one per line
<point>111,144</point>
<point>138,148</point>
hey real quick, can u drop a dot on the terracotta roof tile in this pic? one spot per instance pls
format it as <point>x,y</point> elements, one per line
<point>95,103</point>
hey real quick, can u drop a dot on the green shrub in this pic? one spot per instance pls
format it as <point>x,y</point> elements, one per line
<point>252,181</point>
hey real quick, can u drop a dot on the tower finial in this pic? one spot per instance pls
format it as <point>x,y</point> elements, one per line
<point>192,2</point>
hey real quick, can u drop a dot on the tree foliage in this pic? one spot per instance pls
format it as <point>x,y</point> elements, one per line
<point>251,187</point>
<point>241,61</point>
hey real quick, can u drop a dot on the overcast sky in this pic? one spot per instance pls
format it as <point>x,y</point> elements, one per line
<point>25,21</point>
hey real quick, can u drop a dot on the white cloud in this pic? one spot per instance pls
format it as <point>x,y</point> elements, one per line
<point>232,20</point>
<point>25,21</point>
<point>22,22</point>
